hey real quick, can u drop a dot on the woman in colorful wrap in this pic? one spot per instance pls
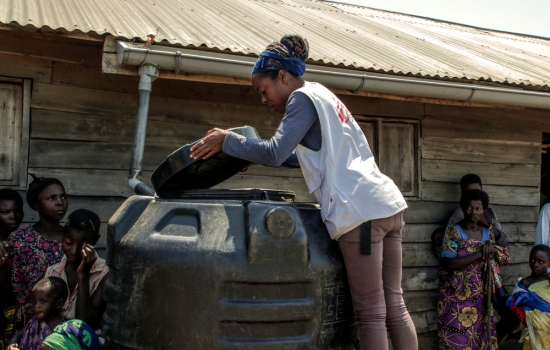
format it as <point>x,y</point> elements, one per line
<point>319,135</point>
<point>530,300</point>
<point>462,306</point>
<point>32,249</point>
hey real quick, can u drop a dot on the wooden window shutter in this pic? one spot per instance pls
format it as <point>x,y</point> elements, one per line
<point>11,110</point>
<point>397,155</point>
<point>368,130</point>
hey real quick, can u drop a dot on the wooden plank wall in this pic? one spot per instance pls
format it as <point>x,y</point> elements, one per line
<point>82,124</point>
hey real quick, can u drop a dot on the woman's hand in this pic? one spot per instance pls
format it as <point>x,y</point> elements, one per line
<point>4,253</point>
<point>488,251</point>
<point>89,256</point>
<point>211,144</point>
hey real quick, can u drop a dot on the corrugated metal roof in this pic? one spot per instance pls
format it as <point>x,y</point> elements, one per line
<point>339,34</point>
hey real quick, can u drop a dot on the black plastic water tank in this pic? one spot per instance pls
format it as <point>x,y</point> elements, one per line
<point>225,269</point>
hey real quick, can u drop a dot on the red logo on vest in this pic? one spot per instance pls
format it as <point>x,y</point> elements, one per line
<point>343,114</point>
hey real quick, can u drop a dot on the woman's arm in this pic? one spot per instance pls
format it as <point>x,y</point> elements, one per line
<point>84,308</point>
<point>460,263</point>
<point>300,124</point>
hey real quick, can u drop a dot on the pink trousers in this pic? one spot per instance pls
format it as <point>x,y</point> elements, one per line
<point>375,285</point>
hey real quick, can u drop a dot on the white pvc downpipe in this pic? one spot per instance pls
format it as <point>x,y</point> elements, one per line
<point>204,62</point>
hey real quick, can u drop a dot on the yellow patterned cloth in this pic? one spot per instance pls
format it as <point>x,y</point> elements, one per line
<point>537,334</point>
<point>8,318</point>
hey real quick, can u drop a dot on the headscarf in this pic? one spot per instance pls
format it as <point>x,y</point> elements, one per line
<point>38,185</point>
<point>289,54</point>
<point>73,335</point>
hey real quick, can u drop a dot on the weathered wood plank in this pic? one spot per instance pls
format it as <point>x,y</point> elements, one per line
<point>491,174</point>
<point>519,253</point>
<point>96,182</point>
<point>485,123</point>
<point>80,100</point>
<point>508,213</point>
<point>116,156</point>
<point>58,125</point>
<point>420,322</point>
<point>481,151</point>
<point>419,278</point>
<point>25,133</point>
<point>419,233</point>
<point>38,69</point>
<point>516,232</point>
<point>54,47</point>
<point>88,77</point>
<point>461,127</point>
<point>381,107</point>
<point>427,341</point>
<point>104,207</point>
<point>520,233</point>
<point>89,182</point>
<point>396,157</point>
<point>506,195</point>
<point>10,132</point>
<point>418,255</point>
<point>421,212</point>
<point>417,300</point>
<point>511,273</point>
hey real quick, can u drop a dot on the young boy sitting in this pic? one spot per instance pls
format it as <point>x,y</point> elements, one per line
<point>11,216</point>
<point>84,272</point>
<point>530,300</point>
<point>47,298</point>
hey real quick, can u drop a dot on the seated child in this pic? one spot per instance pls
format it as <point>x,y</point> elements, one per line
<point>11,216</point>
<point>84,272</point>
<point>437,241</point>
<point>73,334</point>
<point>530,300</point>
<point>47,300</point>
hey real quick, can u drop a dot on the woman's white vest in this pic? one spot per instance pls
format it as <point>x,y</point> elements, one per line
<point>343,175</point>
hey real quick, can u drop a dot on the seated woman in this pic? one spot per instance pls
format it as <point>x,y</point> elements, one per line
<point>461,307</point>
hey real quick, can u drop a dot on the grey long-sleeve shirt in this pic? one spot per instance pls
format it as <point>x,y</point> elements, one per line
<point>300,125</point>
